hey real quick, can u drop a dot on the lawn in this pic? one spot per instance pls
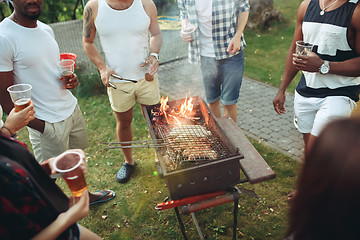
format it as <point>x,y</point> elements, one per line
<point>266,50</point>
<point>131,215</point>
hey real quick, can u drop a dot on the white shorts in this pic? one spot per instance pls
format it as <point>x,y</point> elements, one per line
<point>126,95</point>
<point>312,114</point>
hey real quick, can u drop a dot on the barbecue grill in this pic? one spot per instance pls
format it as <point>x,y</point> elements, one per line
<point>196,157</point>
<point>200,157</point>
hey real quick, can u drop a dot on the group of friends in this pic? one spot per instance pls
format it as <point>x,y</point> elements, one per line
<point>131,39</point>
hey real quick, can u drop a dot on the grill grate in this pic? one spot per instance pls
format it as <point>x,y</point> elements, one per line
<point>190,145</point>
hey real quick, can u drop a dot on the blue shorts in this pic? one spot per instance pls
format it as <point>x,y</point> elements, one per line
<point>222,78</point>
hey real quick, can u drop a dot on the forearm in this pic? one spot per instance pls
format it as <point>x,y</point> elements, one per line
<point>289,72</point>
<point>55,229</point>
<point>155,43</point>
<point>349,68</point>
<point>37,124</point>
<point>94,55</point>
<point>241,23</point>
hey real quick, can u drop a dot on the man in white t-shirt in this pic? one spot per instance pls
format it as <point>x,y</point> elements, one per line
<point>218,45</point>
<point>29,54</point>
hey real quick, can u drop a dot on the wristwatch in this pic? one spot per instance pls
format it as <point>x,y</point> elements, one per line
<point>156,55</point>
<point>325,67</point>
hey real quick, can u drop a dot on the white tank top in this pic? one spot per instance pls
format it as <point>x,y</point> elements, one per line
<point>124,37</point>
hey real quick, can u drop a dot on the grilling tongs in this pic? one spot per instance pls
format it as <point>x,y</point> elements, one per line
<point>121,78</point>
<point>139,144</point>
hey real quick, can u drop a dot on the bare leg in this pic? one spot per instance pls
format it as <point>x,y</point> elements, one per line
<point>231,111</point>
<point>309,140</point>
<point>215,108</point>
<point>86,234</point>
<point>124,133</point>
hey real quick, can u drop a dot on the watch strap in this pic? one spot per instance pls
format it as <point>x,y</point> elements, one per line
<point>156,55</point>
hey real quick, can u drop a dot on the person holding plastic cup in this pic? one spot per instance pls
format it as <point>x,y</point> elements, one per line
<point>330,81</point>
<point>214,31</point>
<point>29,55</point>
<point>33,206</point>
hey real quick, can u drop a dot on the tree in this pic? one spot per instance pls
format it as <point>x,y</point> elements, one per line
<point>262,13</point>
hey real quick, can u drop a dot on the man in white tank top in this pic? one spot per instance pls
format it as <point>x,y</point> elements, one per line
<point>124,27</point>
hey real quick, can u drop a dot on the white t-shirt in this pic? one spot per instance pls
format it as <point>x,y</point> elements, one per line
<point>204,14</point>
<point>32,54</point>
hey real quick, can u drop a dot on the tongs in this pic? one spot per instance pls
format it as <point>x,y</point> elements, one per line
<point>121,78</point>
<point>140,144</point>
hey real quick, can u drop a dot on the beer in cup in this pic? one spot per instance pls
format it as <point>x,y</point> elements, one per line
<point>67,69</point>
<point>20,95</point>
<point>68,165</point>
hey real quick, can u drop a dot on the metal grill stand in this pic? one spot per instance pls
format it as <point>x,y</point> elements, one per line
<point>190,205</point>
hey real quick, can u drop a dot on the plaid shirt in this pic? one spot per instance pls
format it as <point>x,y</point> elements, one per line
<point>23,213</point>
<point>224,21</point>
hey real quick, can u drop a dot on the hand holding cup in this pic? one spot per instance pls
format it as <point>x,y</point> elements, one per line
<point>20,95</point>
<point>67,69</point>
<point>71,166</point>
<point>303,48</point>
<point>187,32</point>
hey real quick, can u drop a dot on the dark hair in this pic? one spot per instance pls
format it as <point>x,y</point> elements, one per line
<point>327,204</point>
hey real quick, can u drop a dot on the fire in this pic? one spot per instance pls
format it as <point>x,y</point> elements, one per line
<point>185,110</point>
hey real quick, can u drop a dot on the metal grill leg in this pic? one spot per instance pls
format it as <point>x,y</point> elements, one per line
<point>236,203</point>
<point>182,228</point>
<point>197,226</point>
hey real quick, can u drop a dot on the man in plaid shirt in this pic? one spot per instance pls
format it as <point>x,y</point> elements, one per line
<point>218,45</point>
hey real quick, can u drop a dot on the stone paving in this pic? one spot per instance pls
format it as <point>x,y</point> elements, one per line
<point>256,116</point>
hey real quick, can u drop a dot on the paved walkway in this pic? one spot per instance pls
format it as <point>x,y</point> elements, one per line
<point>256,116</point>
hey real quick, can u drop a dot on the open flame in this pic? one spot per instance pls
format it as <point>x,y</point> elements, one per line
<point>171,116</point>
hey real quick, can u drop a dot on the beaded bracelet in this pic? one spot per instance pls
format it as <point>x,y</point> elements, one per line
<point>13,135</point>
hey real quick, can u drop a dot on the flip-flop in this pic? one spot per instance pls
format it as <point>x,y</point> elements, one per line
<point>101,198</point>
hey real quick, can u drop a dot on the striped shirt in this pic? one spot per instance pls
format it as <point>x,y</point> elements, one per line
<point>328,34</point>
<point>224,21</point>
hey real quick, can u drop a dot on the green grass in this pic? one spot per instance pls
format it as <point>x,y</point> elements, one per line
<point>266,50</point>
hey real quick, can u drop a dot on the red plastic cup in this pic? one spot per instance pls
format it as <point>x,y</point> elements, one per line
<point>71,56</point>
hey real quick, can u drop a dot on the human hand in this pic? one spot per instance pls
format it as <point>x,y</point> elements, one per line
<point>82,166</point>
<point>309,63</point>
<point>153,64</point>
<point>234,46</point>
<point>186,37</point>
<point>105,75</point>
<point>70,83</point>
<point>278,103</point>
<point>17,120</point>
<point>77,210</point>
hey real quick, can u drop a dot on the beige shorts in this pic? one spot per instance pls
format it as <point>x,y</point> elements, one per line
<point>127,94</point>
<point>59,137</point>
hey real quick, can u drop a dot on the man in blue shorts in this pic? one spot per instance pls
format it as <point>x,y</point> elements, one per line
<point>218,45</point>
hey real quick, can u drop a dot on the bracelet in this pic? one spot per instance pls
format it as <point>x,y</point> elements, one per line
<point>13,135</point>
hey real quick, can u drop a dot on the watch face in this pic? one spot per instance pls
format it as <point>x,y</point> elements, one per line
<point>324,69</point>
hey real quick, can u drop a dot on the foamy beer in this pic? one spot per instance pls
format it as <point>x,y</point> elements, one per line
<point>67,69</point>
<point>20,95</point>
<point>68,165</point>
